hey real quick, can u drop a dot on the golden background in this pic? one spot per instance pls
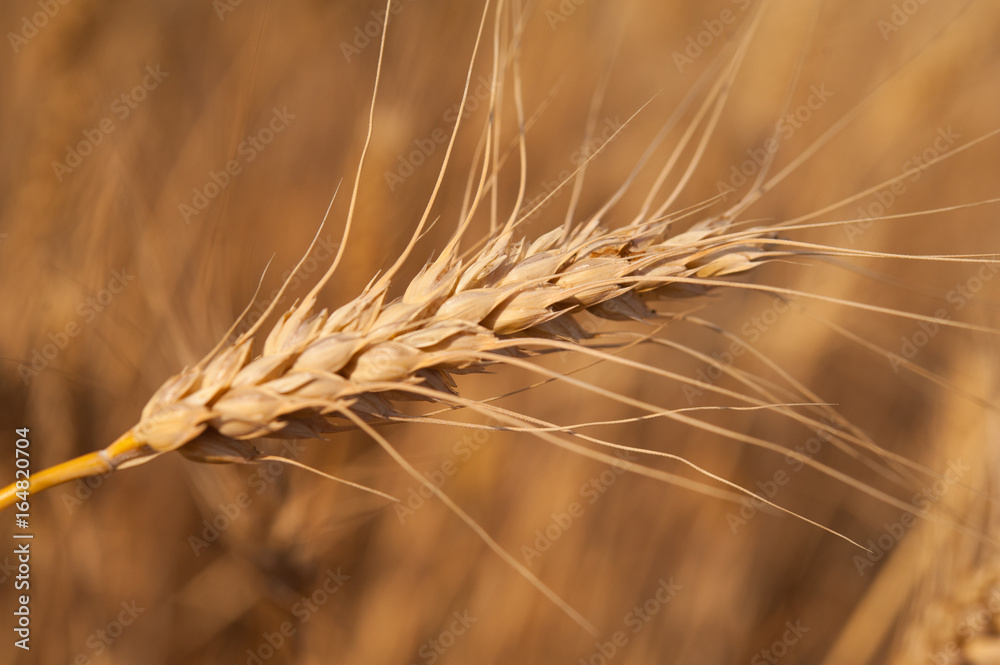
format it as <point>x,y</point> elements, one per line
<point>126,540</point>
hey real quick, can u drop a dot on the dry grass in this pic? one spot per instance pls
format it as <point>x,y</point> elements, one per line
<point>815,328</point>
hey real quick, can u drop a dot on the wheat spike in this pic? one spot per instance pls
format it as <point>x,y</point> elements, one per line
<point>314,365</point>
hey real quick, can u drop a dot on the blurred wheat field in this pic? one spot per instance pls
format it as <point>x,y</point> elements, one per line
<point>231,124</point>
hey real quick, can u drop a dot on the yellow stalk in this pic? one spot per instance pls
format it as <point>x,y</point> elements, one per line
<point>102,461</point>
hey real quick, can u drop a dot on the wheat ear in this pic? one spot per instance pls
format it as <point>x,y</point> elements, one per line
<point>453,316</point>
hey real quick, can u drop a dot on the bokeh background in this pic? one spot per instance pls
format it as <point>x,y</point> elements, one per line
<point>102,269</point>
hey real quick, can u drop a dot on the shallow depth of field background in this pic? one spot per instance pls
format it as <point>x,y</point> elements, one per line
<point>128,540</point>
